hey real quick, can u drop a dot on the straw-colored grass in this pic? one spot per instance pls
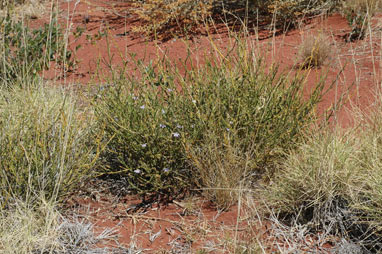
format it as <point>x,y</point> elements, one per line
<point>45,143</point>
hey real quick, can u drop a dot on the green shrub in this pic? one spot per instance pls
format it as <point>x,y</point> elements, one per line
<point>165,127</point>
<point>45,146</point>
<point>145,133</point>
<point>247,117</point>
<point>25,52</point>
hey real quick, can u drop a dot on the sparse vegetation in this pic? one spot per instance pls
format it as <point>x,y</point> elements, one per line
<point>288,13</point>
<point>358,13</point>
<point>164,19</point>
<point>161,18</point>
<point>232,130</point>
<point>24,53</point>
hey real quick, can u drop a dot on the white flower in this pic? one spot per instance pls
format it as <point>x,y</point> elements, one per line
<point>137,171</point>
<point>142,107</point>
<point>166,170</point>
<point>163,112</point>
<point>169,90</point>
<point>176,134</point>
<point>230,122</point>
<point>144,145</point>
<point>162,126</point>
<point>194,101</point>
<point>227,129</point>
<point>134,98</point>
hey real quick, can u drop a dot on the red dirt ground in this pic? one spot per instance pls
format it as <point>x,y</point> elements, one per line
<point>162,229</point>
<point>205,227</point>
<point>188,226</point>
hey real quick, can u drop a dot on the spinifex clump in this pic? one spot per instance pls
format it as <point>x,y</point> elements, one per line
<point>45,143</point>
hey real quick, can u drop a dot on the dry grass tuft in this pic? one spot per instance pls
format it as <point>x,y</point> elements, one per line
<point>32,9</point>
<point>315,50</point>
<point>222,169</point>
<point>41,228</point>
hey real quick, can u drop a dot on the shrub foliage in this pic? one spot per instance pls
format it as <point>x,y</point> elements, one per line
<point>164,128</point>
<point>25,52</point>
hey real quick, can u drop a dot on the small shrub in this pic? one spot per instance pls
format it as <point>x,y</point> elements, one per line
<point>288,13</point>
<point>166,129</point>
<point>45,146</point>
<point>315,50</point>
<point>4,4</point>
<point>24,52</point>
<point>145,135</point>
<point>23,9</point>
